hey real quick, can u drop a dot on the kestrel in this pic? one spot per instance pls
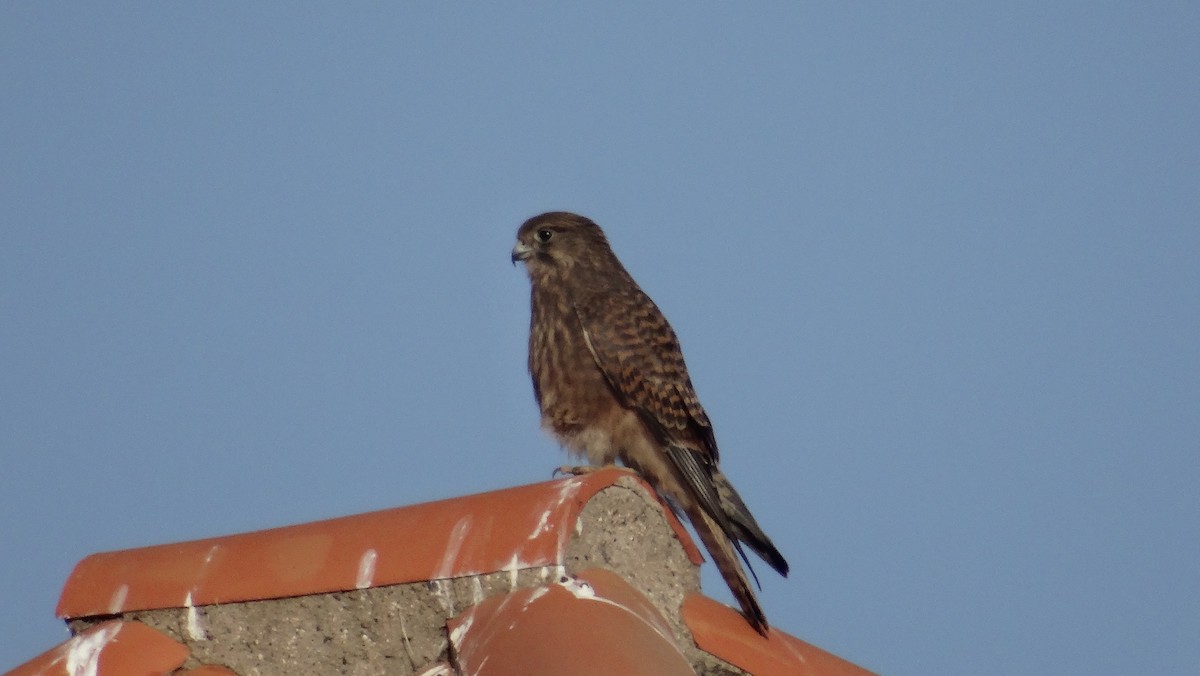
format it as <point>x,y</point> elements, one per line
<point>610,380</point>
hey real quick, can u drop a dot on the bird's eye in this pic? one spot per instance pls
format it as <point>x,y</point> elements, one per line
<point>544,235</point>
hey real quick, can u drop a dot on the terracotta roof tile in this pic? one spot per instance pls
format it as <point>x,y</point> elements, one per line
<point>112,648</point>
<point>593,623</point>
<point>526,526</point>
<point>278,600</point>
<point>722,631</point>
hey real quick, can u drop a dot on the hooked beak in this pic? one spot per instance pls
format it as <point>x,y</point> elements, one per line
<point>520,252</point>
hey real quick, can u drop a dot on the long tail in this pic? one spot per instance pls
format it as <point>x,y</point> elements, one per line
<point>722,521</point>
<point>741,526</point>
<point>722,550</point>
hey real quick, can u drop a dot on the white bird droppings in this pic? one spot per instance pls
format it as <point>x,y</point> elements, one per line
<point>83,658</point>
<point>194,629</point>
<point>457,536</point>
<point>579,588</point>
<point>457,634</point>
<point>514,566</point>
<point>535,595</point>
<point>116,603</point>
<point>366,569</point>
<point>476,591</point>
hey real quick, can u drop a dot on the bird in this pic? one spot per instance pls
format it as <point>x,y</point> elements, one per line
<point>611,385</point>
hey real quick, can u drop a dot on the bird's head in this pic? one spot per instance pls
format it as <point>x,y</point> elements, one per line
<point>557,241</point>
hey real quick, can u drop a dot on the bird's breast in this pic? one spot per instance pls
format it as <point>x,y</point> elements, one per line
<point>574,397</point>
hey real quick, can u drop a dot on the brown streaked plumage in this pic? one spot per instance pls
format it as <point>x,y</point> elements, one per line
<point>609,377</point>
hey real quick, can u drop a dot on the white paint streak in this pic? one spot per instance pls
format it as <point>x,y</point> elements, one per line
<point>441,589</point>
<point>795,653</point>
<point>535,595</point>
<point>437,670</point>
<point>194,630</point>
<point>566,491</point>
<point>505,599</point>
<point>117,602</point>
<point>543,523</point>
<point>476,591</point>
<point>366,569</point>
<point>83,658</point>
<point>456,636</point>
<point>212,551</point>
<point>450,557</point>
<point>513,567</point>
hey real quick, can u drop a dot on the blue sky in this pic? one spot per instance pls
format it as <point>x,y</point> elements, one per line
<point>934,268</point>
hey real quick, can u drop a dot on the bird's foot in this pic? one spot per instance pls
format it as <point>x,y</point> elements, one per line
<point>580,470</point>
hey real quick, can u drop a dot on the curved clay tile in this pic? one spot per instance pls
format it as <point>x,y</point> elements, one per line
<point>591,623</point>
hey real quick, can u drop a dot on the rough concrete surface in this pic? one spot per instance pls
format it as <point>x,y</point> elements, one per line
<point>624,530</point>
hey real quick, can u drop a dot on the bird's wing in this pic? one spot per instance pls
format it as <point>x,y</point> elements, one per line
<point>637,351</point>
<point>639,354</point>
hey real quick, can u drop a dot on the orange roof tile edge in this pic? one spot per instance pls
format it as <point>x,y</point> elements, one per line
<point>593,623</point>
<point>722,631</point>
<point>111,648</point>
<point>527,526</point>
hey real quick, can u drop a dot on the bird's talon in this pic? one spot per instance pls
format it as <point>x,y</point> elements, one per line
<point>576,470</point>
